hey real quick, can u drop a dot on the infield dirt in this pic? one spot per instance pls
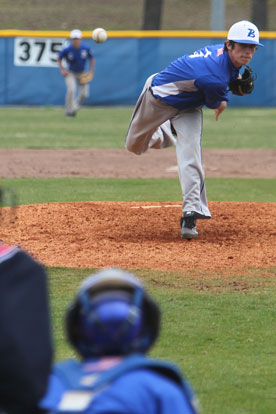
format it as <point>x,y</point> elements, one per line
<point>145,235</point>
<point>119,163</point>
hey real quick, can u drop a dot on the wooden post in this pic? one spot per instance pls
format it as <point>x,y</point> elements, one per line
<point>152,14</point>
<point>259,13</point>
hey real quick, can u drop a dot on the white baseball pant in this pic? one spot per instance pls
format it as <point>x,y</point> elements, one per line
<point>72,81</point>
<point>150,127</point>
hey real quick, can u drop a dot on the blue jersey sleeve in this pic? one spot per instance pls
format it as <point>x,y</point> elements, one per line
<point>62,53</point>
<point>89,53</point>
<point>213,90</point>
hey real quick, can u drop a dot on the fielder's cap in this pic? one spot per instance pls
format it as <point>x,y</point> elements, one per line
<point>76,34</point>
<point>244,32</point>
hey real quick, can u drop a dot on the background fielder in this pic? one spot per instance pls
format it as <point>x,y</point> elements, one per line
<point>175,96</point>
<point>76,55</point>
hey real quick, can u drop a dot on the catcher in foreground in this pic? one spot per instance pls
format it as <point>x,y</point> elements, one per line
<point>76,56</point>
<point>172,100</point>
<point>112,324</point>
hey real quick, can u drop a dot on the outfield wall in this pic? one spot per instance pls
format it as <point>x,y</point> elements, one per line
<point>29,74</point>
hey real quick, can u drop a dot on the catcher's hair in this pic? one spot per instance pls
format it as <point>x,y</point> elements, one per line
<point>231,43</point>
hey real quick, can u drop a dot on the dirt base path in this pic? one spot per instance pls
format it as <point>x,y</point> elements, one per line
<point>145,235</point>
<point>19,163</point>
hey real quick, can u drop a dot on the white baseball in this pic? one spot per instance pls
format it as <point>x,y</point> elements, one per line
<point>99,35</point>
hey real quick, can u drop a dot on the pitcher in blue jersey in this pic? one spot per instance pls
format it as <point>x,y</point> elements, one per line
<point>112,324</point>
<point>76,56</point>
<point>171,104</point>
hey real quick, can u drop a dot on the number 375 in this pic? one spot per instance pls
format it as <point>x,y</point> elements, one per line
<point>37,51</point>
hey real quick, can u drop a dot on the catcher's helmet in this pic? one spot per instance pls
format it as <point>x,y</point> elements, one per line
<point>112,315</point>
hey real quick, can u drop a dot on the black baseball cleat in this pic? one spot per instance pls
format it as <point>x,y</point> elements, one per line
<point>74,113</point>
<point>188,225</point>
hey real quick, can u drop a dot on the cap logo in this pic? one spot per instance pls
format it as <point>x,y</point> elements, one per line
<point>251,33</point>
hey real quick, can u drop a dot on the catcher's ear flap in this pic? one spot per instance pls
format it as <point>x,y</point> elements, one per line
<point>152,320</point>
<point>72,325</point>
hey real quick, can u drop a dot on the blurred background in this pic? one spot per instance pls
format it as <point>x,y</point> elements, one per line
<point>30,76</point>
<point>130,14</point>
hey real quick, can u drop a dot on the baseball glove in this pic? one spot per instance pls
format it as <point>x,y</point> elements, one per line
<point>245,84</point>
<point>85,77</point>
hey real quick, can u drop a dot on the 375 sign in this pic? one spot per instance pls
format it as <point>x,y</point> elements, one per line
<point>37,51</point>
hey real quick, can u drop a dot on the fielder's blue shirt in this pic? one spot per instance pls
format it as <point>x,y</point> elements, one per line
<point>141,391</point>
<point>76,58</point>
<point>196,80</point>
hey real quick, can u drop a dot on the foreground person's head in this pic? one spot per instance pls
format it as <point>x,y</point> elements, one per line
<point>111,315</point>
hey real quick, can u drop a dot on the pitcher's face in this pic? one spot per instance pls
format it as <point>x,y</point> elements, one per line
<point>241,53</point>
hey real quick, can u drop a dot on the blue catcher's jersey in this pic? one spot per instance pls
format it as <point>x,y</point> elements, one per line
<point>76,58</point>
<point>135,385</point>
<point>198,79</point>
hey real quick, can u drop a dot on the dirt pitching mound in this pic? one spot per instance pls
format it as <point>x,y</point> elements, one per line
<point>144,235</point>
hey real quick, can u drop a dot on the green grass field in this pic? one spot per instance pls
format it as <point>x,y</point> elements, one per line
<point>221,332</point>
<point>107,128</point>
<point>32,191</point>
